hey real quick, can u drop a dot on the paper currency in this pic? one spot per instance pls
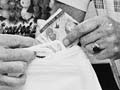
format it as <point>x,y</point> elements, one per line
<point>42,39</point>
<point>47,49</point>
<point>58,26</point>
<point>52,34</point>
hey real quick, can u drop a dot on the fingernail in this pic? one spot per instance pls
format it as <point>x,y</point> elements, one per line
<point>66,42</point>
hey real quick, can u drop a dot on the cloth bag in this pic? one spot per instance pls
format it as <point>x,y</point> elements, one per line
<point>68,69</point>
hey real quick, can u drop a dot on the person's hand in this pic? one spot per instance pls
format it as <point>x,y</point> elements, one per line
<point>100,36</point>
<point>14,59</point>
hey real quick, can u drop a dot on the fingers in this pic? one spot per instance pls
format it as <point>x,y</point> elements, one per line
<point>69,26</point>
<point>110,48</point>
<point>92,37</point>
<point>83,28</point>
<point>12,81</point>
<point>103,43</point>
<point>107,53</point>
<point>90,48</point>
<point>16,55</point>
<point>14,41</point>
<point>107,46</point>
<point>13,67</point>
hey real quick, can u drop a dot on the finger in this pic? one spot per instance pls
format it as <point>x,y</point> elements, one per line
<point>14,41</point>
<point>13,67</point>
<point>102,44</point>
<point>83,28</point>
<point>69,26</point>
<point>12,81</point>
<point>107,53</point>
<point>106,42</point>
<point>92,37</point>
<point>16,55</point>
<point>89,48</point>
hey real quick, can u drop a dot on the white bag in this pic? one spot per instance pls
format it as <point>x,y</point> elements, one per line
<point>69,69</point>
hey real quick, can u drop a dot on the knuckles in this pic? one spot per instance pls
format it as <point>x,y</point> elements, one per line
<point>116,49</point>
<point>22,66</point>
<point>112,38</point>
<point>82,40</point>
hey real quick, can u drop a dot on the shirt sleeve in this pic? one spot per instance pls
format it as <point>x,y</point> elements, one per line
<point>79,4</point>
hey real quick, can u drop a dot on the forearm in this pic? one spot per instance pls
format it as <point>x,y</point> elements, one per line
<point>74,12</point>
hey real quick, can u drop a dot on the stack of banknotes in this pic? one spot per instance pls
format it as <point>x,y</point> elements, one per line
<point>52,33</point>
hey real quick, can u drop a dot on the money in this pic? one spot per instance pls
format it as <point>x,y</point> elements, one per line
<point>58,26</point>
<point>41,39</point>
<point>52,34</point>
<point>47,49</point>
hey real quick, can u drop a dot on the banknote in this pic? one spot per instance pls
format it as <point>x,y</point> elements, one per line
<point>47,49</point>
<point>42,39</point>
<point>53,32</point>
<point>58,26</point>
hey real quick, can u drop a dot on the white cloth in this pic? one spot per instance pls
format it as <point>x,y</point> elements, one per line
<point>66,70</point>
<point>79,4</point>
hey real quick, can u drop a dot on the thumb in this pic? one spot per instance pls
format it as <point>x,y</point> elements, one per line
<point>83,29</point>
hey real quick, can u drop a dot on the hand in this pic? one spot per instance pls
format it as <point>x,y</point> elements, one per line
<point>14,59</point>
<point>102,32</point>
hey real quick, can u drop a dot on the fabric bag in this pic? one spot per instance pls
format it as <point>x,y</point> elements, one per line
<point>68,69</point>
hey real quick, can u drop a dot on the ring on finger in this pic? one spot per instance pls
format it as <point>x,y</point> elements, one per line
<point>96,48</point>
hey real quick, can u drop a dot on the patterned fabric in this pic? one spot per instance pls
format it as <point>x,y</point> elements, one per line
<point>99,4</point>
<point>20,16</point>
<point>117,5</point>
<point>108,7</point>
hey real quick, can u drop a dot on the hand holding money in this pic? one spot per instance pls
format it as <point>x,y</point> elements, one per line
<point>16,52</point>
<point>98,34</point>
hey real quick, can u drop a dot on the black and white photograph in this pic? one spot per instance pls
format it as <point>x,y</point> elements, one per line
<point>59,44</point>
